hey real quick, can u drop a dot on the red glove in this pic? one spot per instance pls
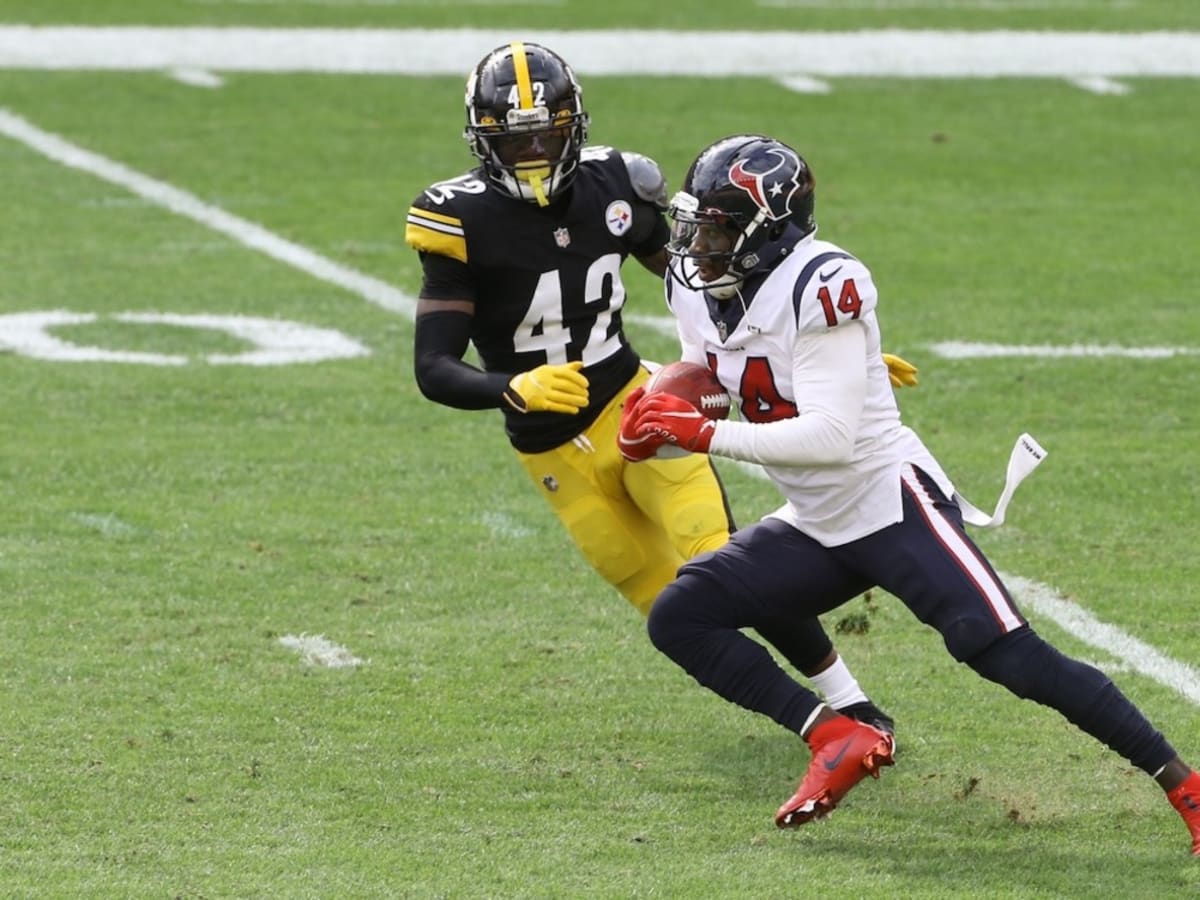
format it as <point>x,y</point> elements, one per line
<point>635,447</point>
<point>674,421</point>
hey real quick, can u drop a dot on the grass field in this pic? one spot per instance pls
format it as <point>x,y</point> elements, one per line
<point>509,731</point>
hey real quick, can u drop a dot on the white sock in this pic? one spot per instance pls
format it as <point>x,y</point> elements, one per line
<point>838,686</point>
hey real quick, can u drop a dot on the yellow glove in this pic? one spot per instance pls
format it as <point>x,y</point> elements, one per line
<point>551,388</point>
<point>901,373</point>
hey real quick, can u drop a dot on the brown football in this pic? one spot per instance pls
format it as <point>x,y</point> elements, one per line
<point>694,383</point>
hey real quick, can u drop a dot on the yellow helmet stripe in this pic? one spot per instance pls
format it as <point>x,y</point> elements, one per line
<point>521,70</point>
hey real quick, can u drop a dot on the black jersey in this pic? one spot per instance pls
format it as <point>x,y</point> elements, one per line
<point>546,282</point>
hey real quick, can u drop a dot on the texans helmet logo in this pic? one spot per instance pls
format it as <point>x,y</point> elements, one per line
<point>773,187</point>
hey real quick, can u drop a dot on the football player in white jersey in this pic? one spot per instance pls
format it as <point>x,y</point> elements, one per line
<point>521,256</point>
<point>788,324</point>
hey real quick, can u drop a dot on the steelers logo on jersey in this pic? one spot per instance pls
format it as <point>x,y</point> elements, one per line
<point>618,217</point>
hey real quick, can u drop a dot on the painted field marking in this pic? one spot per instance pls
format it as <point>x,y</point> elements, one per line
<point>1098,84</point>
<point>892,53</point>
<point>256,237</point>
<point>197,78</point>
<point>249,234</point>
<point>318,650</point>
<point>805,84</point>
<point>276,342</point>
<point>665,325</point>
<point>106,524</point>
<point>1077,621</point>
<point>967,350</point>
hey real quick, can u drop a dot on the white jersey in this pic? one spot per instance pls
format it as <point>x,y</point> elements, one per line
<point>819,299</point>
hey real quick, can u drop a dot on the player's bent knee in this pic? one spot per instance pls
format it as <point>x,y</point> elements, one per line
<point>688,610</point>
<point>968,637</point>
<point>668,622</point>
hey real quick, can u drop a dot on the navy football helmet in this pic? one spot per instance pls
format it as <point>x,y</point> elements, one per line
<point>758,192</point>
<point>525,121</point>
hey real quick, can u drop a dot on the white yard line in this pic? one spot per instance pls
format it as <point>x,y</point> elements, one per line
<point>968,350</point>
<point>892,53</point>
<point>1076,620</point>
<point>285,51</point>
<point>245,232</point>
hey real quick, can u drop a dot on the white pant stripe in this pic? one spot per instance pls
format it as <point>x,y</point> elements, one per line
<point>966,555</point>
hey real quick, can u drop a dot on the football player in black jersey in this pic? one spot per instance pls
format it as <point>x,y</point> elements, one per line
<point>522,257</point>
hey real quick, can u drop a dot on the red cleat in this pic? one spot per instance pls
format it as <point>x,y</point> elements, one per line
<point>1186,800</point>
<point>844,752</point>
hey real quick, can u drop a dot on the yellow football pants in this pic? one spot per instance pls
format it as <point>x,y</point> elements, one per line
<point>635,523</point>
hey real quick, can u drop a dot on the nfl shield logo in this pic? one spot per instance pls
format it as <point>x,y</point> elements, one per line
<point>562,237</point>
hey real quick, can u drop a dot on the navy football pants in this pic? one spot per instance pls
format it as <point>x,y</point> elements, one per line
<point>772,577</point>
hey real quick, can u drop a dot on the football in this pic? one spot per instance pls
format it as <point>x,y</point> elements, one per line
<point>695,384</point>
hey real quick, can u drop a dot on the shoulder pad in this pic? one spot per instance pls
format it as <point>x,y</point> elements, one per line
<point>647,178</point>
<point>434,220</point>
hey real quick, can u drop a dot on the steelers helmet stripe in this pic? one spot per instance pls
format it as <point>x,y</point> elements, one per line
<point>521,70</point>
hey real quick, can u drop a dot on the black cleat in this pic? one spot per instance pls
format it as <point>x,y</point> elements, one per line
<point>870,714</point>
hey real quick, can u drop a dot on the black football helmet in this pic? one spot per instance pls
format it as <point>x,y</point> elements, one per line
<point>759,191</point>
<point>525,121</point>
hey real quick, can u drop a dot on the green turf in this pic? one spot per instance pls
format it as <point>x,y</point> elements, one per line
<point>842,15</point>
<point>513,733</point>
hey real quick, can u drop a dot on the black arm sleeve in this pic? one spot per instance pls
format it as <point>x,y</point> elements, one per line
<point>442,376</point>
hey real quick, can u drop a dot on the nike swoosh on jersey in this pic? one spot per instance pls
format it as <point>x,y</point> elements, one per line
<point>823,277</point>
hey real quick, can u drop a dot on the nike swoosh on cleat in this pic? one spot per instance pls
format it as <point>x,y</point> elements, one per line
<point>832,764</point>
<point>824,277</point>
